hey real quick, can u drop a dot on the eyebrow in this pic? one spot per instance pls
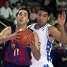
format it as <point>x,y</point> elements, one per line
<point>44,14</point>
<point>21,12</point>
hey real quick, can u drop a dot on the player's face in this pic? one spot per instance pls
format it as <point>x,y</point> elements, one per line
<point>22,17</point>
<point>42,18</point>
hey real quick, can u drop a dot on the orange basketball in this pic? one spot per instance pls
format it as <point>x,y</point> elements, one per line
<point>26,37</point>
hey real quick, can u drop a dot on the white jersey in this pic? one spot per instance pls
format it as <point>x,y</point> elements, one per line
<point>45,47</point>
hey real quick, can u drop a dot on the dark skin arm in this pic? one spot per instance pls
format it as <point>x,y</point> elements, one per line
<point>60,37</point>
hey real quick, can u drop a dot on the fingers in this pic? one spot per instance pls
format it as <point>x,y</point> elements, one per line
<point>31,44</point>
<point>17,35</point>
<point>64,14</point>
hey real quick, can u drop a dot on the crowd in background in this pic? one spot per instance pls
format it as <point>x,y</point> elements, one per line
<point>9,9</point>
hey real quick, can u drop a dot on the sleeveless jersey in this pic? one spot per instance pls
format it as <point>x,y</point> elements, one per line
<point>45,47</point>
<point>19,55</point>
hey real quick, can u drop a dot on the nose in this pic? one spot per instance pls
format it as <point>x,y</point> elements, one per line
<point>41,17</point>
<point>21,16</point>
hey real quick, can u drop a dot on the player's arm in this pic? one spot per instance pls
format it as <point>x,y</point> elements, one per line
<point>4,35</point>
<point>59,36</point>
<point>35,48</point>
<point>64,59</point>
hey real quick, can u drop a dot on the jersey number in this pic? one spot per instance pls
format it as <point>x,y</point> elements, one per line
<point>16,52</point>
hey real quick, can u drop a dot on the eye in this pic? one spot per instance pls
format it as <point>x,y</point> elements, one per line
<point>45,15</point>
<point>20,13</point>
<point>25,15</point>
<point>39,14</point>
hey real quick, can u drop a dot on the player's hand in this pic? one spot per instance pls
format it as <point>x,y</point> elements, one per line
<point>32,45</point>
<point>15,35</point>
<point>62,18</point>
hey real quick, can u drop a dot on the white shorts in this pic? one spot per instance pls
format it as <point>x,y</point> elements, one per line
<point>42,63</point>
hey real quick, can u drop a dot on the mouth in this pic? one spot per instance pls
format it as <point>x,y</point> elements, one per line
<point>21,20</point>
<point>41,21</point>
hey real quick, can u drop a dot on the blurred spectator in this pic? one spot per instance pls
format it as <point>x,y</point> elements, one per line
<point>42,2</point>
<point>16,9</point>
<point>12,6</point>
<point>21,1</point>
<point>46,2</point>
<point>52,6</point>
<point>13,1</point>
<point>6,14</point>
<point>61,5</point>
<point>62,56</point>
<point>33,15</point>
<point>53,19</point>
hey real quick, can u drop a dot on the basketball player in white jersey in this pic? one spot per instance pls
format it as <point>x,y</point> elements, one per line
<point>47,34</point>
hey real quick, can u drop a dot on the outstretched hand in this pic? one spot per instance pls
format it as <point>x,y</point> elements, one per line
<point>62,18</point>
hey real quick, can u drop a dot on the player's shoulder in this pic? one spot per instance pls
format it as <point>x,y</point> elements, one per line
<point>31,25</point>
<point>6,31</point>
<point>7,28</point>
<point>52,29</point>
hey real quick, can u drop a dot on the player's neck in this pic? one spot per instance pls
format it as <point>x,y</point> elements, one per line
<point>37,26</point>
<point>20,27</point>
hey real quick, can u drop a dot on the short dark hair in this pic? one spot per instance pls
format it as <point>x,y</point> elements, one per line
<point>24,8</point>
<point>46,9</point>
<point>18,2</point>
<point>6,1</point>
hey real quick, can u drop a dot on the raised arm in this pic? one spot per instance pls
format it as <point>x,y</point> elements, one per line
<point>61,22</point>
<point>61,37</point>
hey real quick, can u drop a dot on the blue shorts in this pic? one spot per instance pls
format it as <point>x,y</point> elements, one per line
<point>8,64</point>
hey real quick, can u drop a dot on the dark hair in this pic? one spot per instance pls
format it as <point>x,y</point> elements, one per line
<point>24,8</point>
<point>46,9</point>
<point>18,2</point>
<point>7,1</point>
<point>32,7</point>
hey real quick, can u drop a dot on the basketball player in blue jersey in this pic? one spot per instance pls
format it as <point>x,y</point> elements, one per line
<point>15,55</point>
<point>47,34</point>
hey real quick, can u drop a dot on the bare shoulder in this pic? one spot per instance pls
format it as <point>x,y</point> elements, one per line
<point>54,32</point>
<point>35,34</point>
<point>6,31</point>
<point>52,29</point>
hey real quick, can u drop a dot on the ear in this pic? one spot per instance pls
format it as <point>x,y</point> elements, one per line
<point>28,20</point>
<point>48,18</point>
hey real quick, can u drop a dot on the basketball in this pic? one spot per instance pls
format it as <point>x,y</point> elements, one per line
<point>26,37</point>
